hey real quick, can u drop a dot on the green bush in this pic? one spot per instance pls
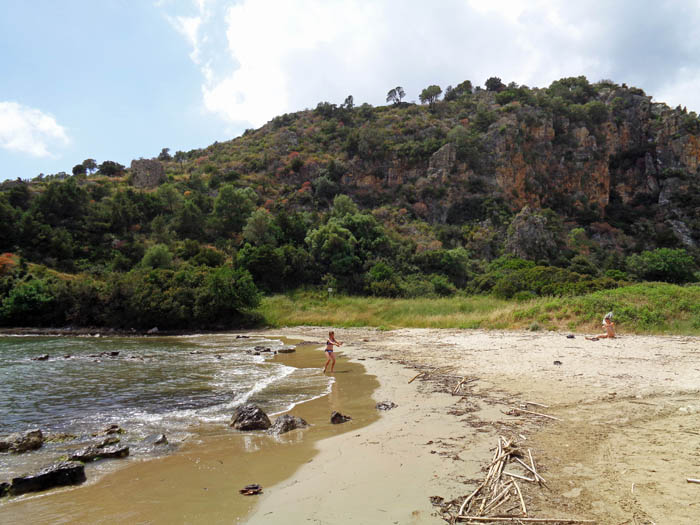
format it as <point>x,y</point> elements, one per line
<point>663,264</point>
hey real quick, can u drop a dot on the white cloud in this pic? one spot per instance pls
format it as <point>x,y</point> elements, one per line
<point>28,130</point>
<point>262,58</point>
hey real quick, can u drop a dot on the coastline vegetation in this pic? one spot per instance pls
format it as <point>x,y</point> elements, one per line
<point>648,308</point>
<point>507,206</point>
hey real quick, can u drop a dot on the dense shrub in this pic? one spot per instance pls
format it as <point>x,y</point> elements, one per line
<point>663,264</point>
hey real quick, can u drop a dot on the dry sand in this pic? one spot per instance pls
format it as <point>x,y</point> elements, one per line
<point>628,438</point>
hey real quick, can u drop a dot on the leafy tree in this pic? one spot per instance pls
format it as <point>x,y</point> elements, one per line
<point>430,95</point>
<point>266,264</point>
<point>663,264</point>
<point>90,165</point>
<point>227,293</point>
<point>333,246</point>
<point>232,207</point>
<point>111,168</point>
<point>572,89</point>
<point>260,228</point>
<point>395,95</point>
<point>189,220</point>
<point>79,169</point>
<point>343,205</point>
<point>349,102</point>
<point>494,84</point>
<point>165,155</point>
<point>180,157</point>
<point>157,256</point>
<point>29,303</point>
<point>324,188</point>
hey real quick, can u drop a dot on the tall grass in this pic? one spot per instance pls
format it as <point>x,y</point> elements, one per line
<point>653,308</point>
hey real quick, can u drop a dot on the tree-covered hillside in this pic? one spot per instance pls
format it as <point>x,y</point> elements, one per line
<point>507,190</point>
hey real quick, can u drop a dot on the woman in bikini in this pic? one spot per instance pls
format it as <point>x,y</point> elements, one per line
<point>609,327</point>
<point>330,342</point>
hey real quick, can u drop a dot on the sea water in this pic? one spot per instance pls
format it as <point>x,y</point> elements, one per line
<point>177,386</point>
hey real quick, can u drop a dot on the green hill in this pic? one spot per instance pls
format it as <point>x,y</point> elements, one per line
<point>511,191</point>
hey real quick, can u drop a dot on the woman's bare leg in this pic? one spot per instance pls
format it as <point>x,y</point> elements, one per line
<point>327,361</point>
<point>332,364</point>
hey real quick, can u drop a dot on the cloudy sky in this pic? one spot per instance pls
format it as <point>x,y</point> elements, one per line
<point>122,79</point>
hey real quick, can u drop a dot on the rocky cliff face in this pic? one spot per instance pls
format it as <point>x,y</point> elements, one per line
<point>642,160</point>
<point>601,156</point>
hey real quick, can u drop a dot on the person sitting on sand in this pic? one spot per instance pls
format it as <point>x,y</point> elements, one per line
<point>329,350</point>
<point>609,327</point>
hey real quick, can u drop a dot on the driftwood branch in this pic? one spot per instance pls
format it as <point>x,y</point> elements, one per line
<point>536,413</point>
<point>693,480</point>
<point>523,520</point>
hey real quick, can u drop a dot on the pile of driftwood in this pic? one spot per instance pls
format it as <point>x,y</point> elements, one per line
<point>498,499</point>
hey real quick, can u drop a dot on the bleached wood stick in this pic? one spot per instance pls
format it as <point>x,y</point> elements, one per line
<point>519,476</point>
<point>461,509</point>
<point>498,497</point>
<point>536,413</point>
<point>524,520</point>
<point>693,480</point>
<point>520,495</point>
<point>534,473</point>
<point>534,469</point>
<point>536,404</point>
<point>416,377</point>
<point>456,389</point>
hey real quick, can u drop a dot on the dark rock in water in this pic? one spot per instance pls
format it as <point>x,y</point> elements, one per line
<point>250,490</point>
<point>242,337</point>
<point>571,336</point>
<point>67,356</point>
<point>337,418</point>
<point>59,475</point>
<point>286,350</point>
<point>557,363</point>
<point>44,357</point>
<point>94,453</point>
<point>18,443</point>
<point>156,439</point>
<point>4,488</point>
<point>250,417</point>
<point>287,423</point>
<point>112,429</point>
<point>266,350</point>
<point>386,405</point>
<point>259,348</point>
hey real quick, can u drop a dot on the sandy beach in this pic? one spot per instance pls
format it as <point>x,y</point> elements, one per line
<point>625,438</point>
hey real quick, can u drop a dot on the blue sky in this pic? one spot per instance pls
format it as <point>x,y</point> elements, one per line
<point>121,79</point>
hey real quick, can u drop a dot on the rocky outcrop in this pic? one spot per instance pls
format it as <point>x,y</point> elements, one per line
<point>96,452</point>
<point>59,475</point>
<point>287,423</point>
<point>250,417</point>
<point>19,443</point>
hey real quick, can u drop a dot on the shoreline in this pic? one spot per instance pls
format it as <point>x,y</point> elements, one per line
<point>625,436</point>
<point>199,483</point>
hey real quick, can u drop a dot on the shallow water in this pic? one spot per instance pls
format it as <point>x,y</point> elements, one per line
<point>169,385</point>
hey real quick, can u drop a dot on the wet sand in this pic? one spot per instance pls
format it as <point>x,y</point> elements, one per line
<point>199,483</point>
